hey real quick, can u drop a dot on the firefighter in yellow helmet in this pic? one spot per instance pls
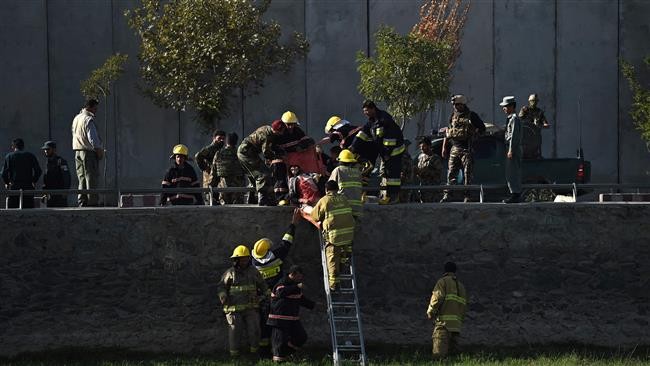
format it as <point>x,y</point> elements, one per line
<point>180,175</point>
<point>293,140</point>
<point>268,259</point>
<point>348,177</point>
<point>447,308</point>
<point>240,290</point>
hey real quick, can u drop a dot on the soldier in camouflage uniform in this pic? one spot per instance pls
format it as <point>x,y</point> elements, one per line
<point>204,158</point>
<point>464,127</point>
<point>428,171</point>
<point>263,141</point>
<point>227,167</point>
<point>533,120</point>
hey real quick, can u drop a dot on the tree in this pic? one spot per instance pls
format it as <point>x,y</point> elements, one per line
<point>408,73</point>
<point>99,84</point>
<point>197,53</point>
<point>640,112</point>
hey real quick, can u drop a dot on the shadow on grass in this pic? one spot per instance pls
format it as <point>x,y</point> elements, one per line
<point>379,355</point>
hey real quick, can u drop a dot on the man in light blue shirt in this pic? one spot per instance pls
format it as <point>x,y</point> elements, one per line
<point>513,149</point>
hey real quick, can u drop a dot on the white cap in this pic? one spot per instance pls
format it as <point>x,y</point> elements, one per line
<point>508,100</point>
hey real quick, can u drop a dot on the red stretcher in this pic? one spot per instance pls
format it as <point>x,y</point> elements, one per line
<point>308,160</point>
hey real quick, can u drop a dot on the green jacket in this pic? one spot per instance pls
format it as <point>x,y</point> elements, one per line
<point>448,303</point>
<point>242,288</point>
<point>335,214</point>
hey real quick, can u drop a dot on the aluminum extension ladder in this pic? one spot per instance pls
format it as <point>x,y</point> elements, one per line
<point>344,315</point>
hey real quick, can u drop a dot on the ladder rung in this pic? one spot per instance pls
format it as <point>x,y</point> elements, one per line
<point>343,304</point>
<point>345,318</point>
<point>347,332</point>
<point>349,348</point>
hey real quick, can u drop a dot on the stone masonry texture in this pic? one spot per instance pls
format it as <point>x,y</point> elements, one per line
<point>145,279</point>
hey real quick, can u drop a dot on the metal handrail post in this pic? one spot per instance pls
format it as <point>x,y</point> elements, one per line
<point>20,200</point>
<point>575,192</point>
<point>211,196</point>
<point>480,195</point>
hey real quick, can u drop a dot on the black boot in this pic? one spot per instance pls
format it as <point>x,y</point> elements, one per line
<point>514,198</point>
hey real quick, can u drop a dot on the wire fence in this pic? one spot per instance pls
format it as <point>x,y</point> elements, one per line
<point>574,190</point>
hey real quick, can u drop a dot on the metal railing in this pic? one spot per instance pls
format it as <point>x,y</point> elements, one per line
<point>212,191</point>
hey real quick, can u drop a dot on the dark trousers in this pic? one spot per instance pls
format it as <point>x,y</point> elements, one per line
<point>287,339</point>
<point>265,330</point>
<point>393,175</point>
<point>280,187</point>
<point>28,199</point>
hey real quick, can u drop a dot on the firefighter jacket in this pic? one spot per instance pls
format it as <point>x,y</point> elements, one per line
<point>348,178</point>
<point>270,266</point>
<point>57,174</point>
<point>335,214</point>
<point>356,139</point>
<point>294,140</point>
<point>464,127</point>
<point>243,289</point>
<point>182,176</point>
<point>286,300</point>
<point>226,163</point>
<point>262,141</point>
<point>448,302</point>
<point>387,135</point>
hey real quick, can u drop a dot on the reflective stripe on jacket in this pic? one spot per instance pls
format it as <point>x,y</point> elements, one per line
<point>270,266</point>
<point>448,302</point>
<point>348,178</point>
<point>335,214</point>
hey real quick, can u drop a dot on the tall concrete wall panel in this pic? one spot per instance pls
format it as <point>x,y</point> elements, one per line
<point>145,280</point>
<point>337,31</point>
<point>587,74</point>
<point>23,66</point>
<point>473,72</point>
<point>525,28</point>
<point>634,154</point>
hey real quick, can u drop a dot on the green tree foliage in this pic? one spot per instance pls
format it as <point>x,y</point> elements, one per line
<point>408,73</point>
<point>640,101</point>
<point>197,53</point>
<point>99,82</point>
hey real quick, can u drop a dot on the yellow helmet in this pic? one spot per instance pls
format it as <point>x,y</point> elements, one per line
<point>289,117</point>
<point>180,149</point>
<point>240,251</point>
<point>333,122</point>
<point>347,156</point>
<point>261,247</point>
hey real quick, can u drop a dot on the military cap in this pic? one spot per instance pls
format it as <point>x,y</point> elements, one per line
<point>458,99</point>
<point>49,145</point>
<point>508,100</point>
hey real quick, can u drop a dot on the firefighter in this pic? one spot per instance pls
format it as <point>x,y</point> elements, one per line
<point>240,290</point>
<point>348,176</point>
<point>286,300</point>
<point>294,139</point>
<point>337,224</point>
<point>354,138</point>
<point>263,141</point>
<point>447,306</point>
<point>267,259</point>
<point>180,175</point>
<point>390,142</point>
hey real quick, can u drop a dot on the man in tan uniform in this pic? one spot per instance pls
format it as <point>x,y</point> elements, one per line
<point>88,151</point>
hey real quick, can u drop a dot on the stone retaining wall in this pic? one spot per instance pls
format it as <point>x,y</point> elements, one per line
<point>145,279</point>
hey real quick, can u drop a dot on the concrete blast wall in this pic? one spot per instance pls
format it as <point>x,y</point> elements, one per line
<point>145,279</point>
<point>566,51</point>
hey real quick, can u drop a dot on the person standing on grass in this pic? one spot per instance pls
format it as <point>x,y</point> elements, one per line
<point>447,307</point>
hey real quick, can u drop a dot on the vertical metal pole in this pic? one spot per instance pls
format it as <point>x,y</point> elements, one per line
<point>20,200</point>
<point>481,195</point>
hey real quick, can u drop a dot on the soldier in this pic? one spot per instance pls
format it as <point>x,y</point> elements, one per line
<point>263,141</point>
<point>57,175</point>
<point>240,291</point>
<point>464,128</point>
<point>513,148</point>
<point>204,160</point>
<point>428,170</point>
<point>20,171</point>
<point>389,141</point>
<point>228,170</point>
<point>447,306</point>
<point>533,120</point>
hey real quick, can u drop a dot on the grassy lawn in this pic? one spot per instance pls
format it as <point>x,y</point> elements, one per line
<point>385,355</point>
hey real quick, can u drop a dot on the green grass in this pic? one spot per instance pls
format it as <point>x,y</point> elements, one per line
<point>379,355</point>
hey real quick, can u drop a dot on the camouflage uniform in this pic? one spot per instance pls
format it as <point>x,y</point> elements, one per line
<point>464,127</point>
<point>264,142</point>
<point>203,159</point>
<point>429,173</point>
<point>227,167</point>
<point>533,120</point>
